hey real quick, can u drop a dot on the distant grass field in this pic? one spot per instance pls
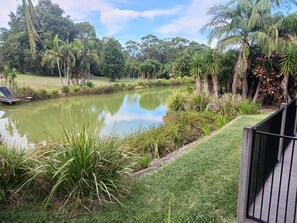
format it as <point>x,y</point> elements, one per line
<point>49,82</point>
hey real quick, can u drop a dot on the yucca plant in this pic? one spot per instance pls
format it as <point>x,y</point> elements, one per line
<point>85,168</point>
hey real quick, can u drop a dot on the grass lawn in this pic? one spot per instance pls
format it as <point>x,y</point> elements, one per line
<point>49,82</point>
<point>201,186</point>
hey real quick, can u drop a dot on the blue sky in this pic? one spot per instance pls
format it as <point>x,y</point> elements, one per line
<point>132,19</point>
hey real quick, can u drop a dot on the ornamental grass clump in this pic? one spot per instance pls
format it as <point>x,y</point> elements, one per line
<point>86,169</point>
<point>227,104</point>
<point>15,172</point>
<point>177,101</point>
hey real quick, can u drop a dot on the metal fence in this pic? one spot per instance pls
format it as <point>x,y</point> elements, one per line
<point>272,189</point>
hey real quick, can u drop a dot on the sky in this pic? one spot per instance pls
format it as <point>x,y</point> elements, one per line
<point>132,19</point>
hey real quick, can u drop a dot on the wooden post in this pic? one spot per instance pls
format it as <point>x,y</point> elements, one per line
<point>247,144</point>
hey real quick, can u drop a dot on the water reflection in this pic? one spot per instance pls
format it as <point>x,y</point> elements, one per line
<point>27,124</point>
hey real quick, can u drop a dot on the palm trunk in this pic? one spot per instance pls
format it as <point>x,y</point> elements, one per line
<point>245,88</point>
<point>215,85</point>
<point>256,96</point>
<point>206,86</point>
<point>198,84</point>
<point>89,73</point>
<point>284,86</point>
<point>68,71</point>
<point>234,83</point>
<point>60,75</point>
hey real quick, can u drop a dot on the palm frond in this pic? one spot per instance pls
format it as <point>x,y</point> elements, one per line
<point>32,34</point>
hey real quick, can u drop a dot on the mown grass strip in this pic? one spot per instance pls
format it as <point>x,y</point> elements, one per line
<point>200,186</point>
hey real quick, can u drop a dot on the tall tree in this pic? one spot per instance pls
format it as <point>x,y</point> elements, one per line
<point>68,54</point>
<point>53,57</point>
<point>197,70</point>
<point>288,67</point>
<point>212,67</point>
<point>86,54</point>
<point>114,62</point>
<point>240,24</point>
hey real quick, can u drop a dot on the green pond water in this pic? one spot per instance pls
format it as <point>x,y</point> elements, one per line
<point>27,124</point>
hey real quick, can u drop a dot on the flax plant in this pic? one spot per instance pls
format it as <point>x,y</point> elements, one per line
<point>85,168</point>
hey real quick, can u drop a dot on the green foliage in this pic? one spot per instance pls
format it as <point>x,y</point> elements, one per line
<point>188,101</point>
<point>9,75</point>
<point>206,178</point>
<point>197,102</point>
<point>248,107</point>
<point>114,61</point>
<point>65,89</point>
<point>76,89</point>
<point>233,105</point>
<point>179,128</point>
<point>90,84</point>
<point>150,69</point>
<point>177,101</point>
<point>85,168</point>
<point>55,93</point>
<point>14,171</point>
<point>144,160</point>
<point>227,104</point>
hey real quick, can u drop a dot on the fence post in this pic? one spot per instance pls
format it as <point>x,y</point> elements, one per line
<point>295,116</point>
<point>282,131</point>
<point>247,143</point>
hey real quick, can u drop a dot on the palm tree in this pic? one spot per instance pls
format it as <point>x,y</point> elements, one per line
<point>6,72</point>
<point>288,66</point>
<point>240,24</point>
<point>53,56</point>
<point>197,70</point>
<point>86,54</point>
<point>67,52</point>
<point>212,65</point>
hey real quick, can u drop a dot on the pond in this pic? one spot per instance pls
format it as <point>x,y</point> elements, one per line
<point>122,113</point>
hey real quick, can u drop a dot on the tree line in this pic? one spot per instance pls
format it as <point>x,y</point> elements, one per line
<point>256,54</point>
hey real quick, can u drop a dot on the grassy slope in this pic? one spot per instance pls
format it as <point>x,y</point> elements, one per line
<point>201,186</point>
<point>48,82</point>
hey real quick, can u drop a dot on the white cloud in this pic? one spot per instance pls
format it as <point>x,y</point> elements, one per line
<point>192,20</point>
<point>114,19</point>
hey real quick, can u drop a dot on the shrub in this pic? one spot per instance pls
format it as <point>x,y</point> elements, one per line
<point>130,86</point>
<point>85,168</point>
<point>117,87</point>
<point>177,101</point>
<point>90,84</point>
<point>197,102</point>
<point>76,89</point>
<point>55,93</point>
<point>233,105</point>
<point>179,128</point>
<point>227,104</point>
<point>248,107</point>
<point>144,142</point>
<point>66,89</point>
<point>144,160</point>
<point>15,171</point>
